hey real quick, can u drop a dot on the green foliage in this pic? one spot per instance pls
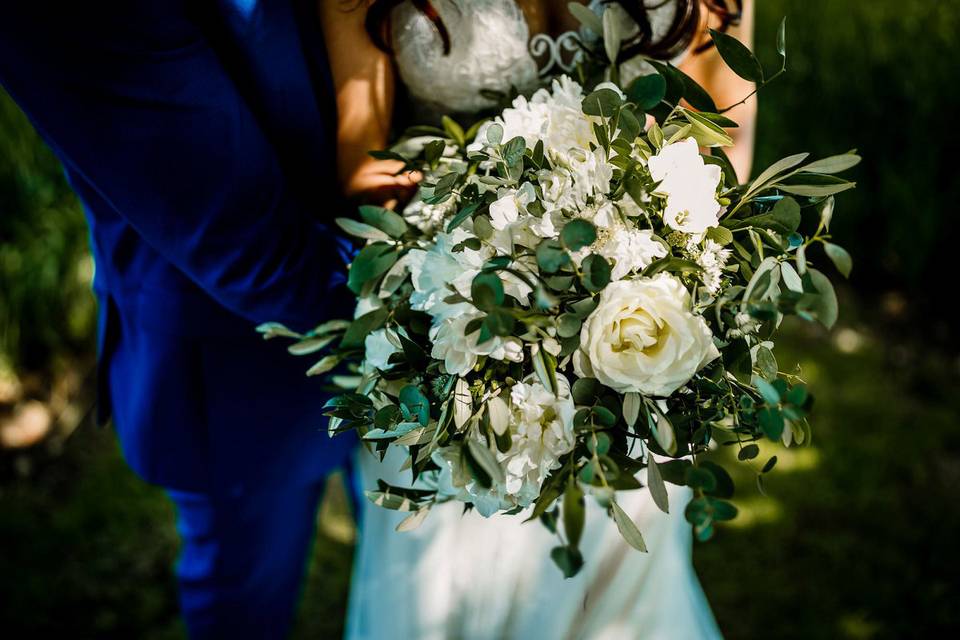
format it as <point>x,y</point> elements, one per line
<point>46,307</point>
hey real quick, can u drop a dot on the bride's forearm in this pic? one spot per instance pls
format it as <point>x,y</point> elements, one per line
<point>364,84</point>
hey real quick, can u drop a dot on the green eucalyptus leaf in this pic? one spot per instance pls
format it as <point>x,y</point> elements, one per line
<point>486,291</point>
<point>771,463</point>
<point>782,38</point>
<point>768,391</point>
<point>568,559</point>
<point>487,460</point>
<point>720,235</point>
<point>568,325</point>
<point>774,170</point>
<point>840,257</point>
<point>596,272</point>
<point>585,391</point>
<point>363,326</point>
<point>724,483</point>
<point>790,277</point>
<point>387,221</point>
<point>578,233</point>
<point>817,190</point>
<point>602,102</point>
<point>658,490</point>
<point>551,256</point>
<point>647,91</point>
<point>416,403</point>
<point>462,215</point>
<point>574,513</point>
<point>454,130</point>
<point>833,164</point>
<point>771,422</point>
<point>825,307</point>
<point>586,17</point>
<point>372,262</point>
<point>749,452</point>
<point>361,230</point>
<point>627,528</point>
<point>737,56</point>
<point>494,134</point>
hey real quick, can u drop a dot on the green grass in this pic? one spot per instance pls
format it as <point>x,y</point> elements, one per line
<point>855,538</point>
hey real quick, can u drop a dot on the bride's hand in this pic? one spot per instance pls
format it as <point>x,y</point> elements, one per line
<point>363,77</point>
<point>378,182</point>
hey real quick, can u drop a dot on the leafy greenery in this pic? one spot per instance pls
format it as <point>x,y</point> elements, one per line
<point>46,307</point>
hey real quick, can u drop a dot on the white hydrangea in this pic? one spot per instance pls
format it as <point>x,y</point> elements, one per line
<point>541,429</point>
<point>459,351</point>
<point>432,270</point>
<point>631,250</point>
<point>541,432</point>
<point>689,186</point>
<point>378,347</point>
<point>553,115</point>
<point>576,179</point>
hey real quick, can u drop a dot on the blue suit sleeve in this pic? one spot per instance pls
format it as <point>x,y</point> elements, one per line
<point>167,139</point>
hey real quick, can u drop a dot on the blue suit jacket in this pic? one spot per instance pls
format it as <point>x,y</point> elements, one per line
<point>199,135</point>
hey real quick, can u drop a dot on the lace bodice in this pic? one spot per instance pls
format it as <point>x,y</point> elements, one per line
<point>491,49</point>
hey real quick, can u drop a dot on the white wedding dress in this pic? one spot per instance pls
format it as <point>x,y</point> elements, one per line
<point>474,578</point>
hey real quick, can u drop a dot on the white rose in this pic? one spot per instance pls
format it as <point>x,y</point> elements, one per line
<point>642,337</point>
<point>689,185</point>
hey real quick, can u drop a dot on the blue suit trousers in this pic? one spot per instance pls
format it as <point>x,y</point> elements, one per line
<point>242,559</point>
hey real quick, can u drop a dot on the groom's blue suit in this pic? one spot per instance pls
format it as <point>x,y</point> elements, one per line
<point>199,135</point>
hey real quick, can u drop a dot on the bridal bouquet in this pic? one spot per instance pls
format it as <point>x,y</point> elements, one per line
<point>574,291</point>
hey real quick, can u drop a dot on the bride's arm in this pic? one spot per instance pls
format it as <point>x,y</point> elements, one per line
<point>364,83</point>
<point>728,88</point>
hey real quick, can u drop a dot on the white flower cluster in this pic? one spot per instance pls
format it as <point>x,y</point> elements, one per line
<point>541,431</point>
<point>643,336</point>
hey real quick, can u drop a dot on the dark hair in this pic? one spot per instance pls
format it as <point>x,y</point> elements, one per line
<point>681,33</point>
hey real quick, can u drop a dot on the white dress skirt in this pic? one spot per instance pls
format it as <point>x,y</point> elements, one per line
<point>463,576</point>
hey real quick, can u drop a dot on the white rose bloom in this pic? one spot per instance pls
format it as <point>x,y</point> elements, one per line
<point>643,337</point>
<point>689,185</point>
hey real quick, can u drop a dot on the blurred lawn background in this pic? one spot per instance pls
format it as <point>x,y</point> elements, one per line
<point>857,538</point>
